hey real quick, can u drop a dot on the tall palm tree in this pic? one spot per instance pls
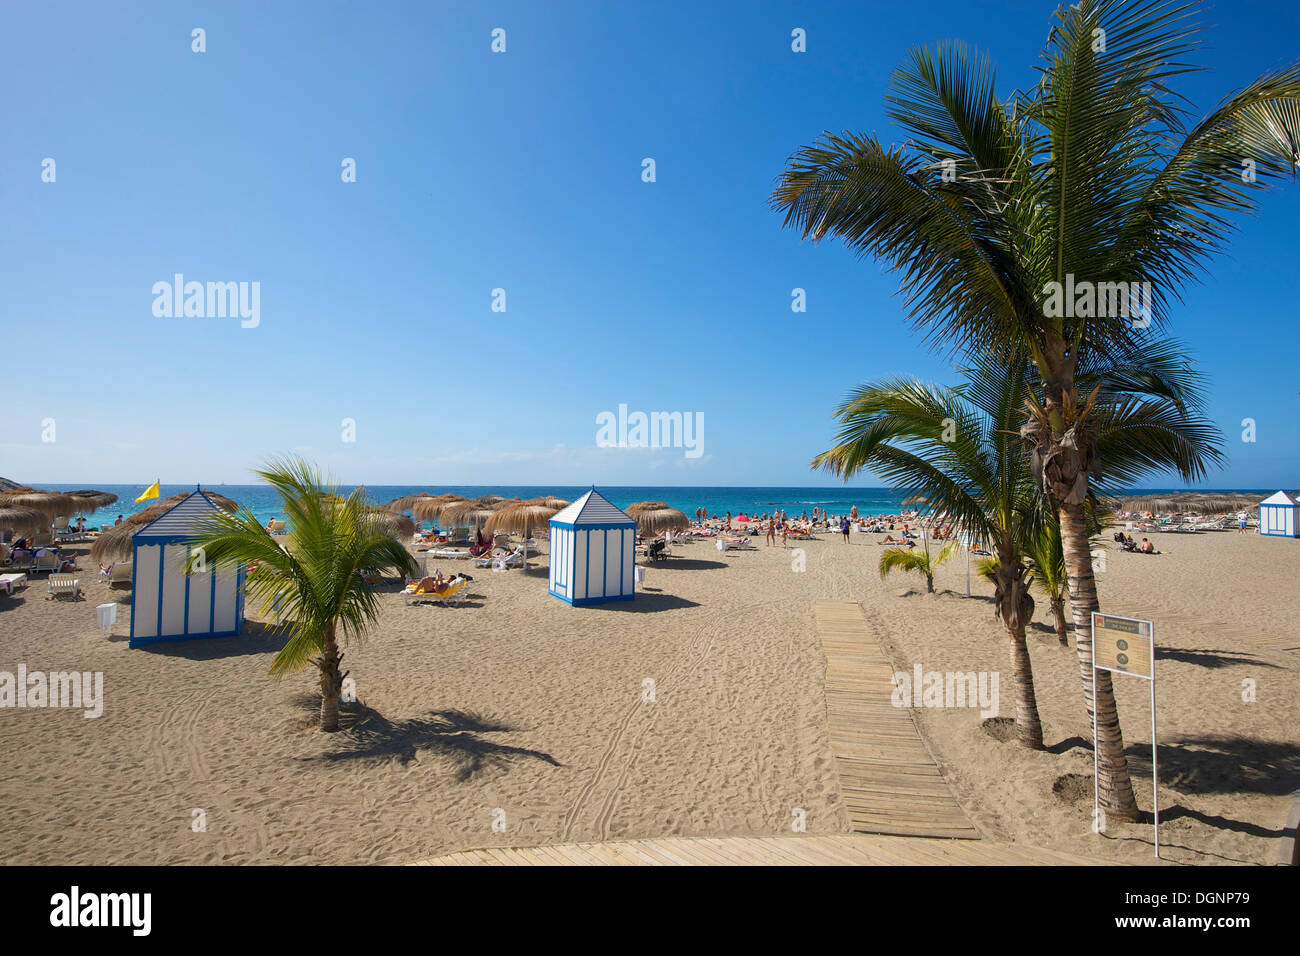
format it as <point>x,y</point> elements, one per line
<point>958,450</point>
<point>923,562</point>
<point>993,209</point>
<point>316,582</point>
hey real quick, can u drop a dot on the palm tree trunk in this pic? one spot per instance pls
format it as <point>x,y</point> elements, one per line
<point>929,584</point>
<point>1029,729</point>
<point>331,683</point>
<point>1114,786</point>
<point>1016,607</point>
<point>1058,615</point>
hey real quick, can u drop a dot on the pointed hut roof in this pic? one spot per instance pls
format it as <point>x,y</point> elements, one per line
<point>591,509</point>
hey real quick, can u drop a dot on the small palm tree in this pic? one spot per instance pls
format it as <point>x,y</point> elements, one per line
<point>1046,560</point>
<point>317,582</point>
<point>958,450</point>
<point>914,559</point>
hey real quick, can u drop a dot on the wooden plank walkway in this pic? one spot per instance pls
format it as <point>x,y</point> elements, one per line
<point>847,849</point>
<point>888,778</point>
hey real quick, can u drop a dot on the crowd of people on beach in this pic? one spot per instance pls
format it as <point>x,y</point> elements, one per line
<point>900,530</point>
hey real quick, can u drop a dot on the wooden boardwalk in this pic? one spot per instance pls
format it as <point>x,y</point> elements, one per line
<point>848,849</point>
<point>888,778</point>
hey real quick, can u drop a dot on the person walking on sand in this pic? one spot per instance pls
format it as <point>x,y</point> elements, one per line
<point>844,528</point>
<point>1241,522</point>
<point>771,532</point>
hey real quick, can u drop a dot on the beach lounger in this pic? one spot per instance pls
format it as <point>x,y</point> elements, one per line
<point>449,554</point>
<point>10,581</point>
<point>512,560</point>
<point>63,584</point>
<point>21,559</point>
<point>735,544</point>
<point>46,561</point>
<point>117,574</point>
<point>276,527</point>
<point>454,594</point>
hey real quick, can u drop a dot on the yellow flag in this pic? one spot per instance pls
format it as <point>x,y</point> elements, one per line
<point>150,492</point>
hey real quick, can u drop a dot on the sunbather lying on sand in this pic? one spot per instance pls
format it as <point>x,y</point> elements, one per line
<point>898,542</point>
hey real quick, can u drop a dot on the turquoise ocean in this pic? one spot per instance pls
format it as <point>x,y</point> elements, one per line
<point>265,504</point>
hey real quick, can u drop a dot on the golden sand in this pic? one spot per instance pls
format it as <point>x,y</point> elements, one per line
<point>515,719</point>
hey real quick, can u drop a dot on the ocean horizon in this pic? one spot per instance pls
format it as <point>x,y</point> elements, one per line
<point>264,502</point>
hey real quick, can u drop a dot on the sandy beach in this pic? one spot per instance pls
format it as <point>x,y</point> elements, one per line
<point>518,720</point>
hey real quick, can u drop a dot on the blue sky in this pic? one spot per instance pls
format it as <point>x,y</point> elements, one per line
<point>519,171</point>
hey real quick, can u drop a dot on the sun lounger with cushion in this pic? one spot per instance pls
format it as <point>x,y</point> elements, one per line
<point>453,594</point>
<point>46,561</point>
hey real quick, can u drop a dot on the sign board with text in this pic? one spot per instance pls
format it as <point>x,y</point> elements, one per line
<point>1123,644</point>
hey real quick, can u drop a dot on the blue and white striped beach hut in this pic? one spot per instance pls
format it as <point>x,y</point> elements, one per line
<point>593,551</point>
<point>166,603</point>
<point>1278,514</point>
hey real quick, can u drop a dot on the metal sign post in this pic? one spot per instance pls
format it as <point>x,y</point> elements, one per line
<point>1125,645</point>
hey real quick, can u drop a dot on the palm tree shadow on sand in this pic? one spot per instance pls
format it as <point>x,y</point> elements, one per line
<point>1222,763</point>
<point>454,736</point>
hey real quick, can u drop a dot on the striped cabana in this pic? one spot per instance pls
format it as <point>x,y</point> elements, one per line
<point>1278,516</point>
<point>166,603</point>
<point>593,550</point>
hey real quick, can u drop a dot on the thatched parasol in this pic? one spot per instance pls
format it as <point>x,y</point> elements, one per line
<point>559,504</point>
<point>50,503</point>
<point>114,544</point>
<point>89,501</point>
<point>22,520</point>
<point>474,511</point>
<point>405,502</point>
<point>654,517</point>
<point>522,517</point>
<point>525,517</point>
<point>393,524</point>
<point>433,507</point>
<point>1178,501</point>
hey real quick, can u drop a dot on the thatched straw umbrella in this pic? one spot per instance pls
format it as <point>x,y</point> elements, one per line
<point>115,544</point>
<point>394,525</point>
<point>1198,501</point>
<point>474,511</point>
<point>22,520</point>
<point>525,517</point>
<point>433,507</point>
<point>654,517</point>
<point>406,502</point>
<point>89,501</point>
<point>559,504</point>
<point>50,503</point>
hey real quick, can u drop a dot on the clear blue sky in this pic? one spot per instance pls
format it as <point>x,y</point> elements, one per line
<point>519,171</point>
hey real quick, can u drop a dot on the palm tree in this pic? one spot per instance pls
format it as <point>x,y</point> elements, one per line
<point>993,209</point>
<point>957,449</point>
<point>317,581</point>
<point>910,559</point>
<point>1046,560</point>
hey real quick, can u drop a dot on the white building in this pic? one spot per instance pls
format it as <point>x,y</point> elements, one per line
<point>166,603</point>
<point>1278,514</point>
<point>593,551</point>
